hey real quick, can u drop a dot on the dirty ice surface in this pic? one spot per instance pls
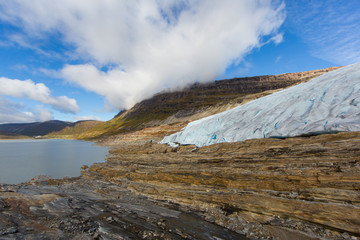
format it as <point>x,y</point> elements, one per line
<point>329,103</point>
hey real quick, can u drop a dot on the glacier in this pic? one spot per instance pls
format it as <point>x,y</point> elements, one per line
<point>326,104</point>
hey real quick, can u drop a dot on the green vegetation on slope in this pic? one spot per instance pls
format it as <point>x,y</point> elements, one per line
<point>75,131</point>
<point>6,135</point>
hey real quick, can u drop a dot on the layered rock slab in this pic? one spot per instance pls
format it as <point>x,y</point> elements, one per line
<point>308,186</point>
<point>81,209</point>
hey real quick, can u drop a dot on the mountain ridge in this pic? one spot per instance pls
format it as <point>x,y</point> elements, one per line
<point>34,129</point>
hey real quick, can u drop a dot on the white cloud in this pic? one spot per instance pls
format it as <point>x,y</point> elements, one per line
<point>330,28</point>
<point>277,60</point>
<point>82,118</point>
<point>150,45</point>
<point>38,92</point>
<point>277,39</point>
<point>20,67</point>
<point>11,112</point>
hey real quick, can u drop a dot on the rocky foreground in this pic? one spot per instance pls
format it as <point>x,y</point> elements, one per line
<point>295,188</point>
<point>83,209</point>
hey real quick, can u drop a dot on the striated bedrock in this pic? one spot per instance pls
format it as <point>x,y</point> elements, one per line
<point>294,188</point>
<point>82,209</point>
<point>328,103</point>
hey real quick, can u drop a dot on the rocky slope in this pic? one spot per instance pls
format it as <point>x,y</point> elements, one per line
<point>82,209</point>
<point>328,103</point>
<point>294,188</point>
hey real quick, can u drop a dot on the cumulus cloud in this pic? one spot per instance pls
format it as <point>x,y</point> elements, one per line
<point>331,29</point>
<point>12,112</point>
<point>133,49</point>
<point>38,92</point>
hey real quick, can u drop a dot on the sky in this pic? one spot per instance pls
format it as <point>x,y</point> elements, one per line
<point>87,59</point>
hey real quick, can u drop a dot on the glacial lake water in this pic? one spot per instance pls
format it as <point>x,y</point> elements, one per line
<point>21,160</point>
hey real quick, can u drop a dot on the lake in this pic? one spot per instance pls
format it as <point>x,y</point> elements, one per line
<point>21,160</point>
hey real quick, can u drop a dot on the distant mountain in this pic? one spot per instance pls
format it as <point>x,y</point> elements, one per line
<point>328,103</point>
<point>33,129</point>
<point>7,135</point>
<point>75,130</point>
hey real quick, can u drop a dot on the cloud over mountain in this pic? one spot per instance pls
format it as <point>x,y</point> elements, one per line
<point>129,50</point>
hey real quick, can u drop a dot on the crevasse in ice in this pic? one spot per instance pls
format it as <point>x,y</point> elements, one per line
<point>329,103</point>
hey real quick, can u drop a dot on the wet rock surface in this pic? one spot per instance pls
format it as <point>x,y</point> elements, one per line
<point>83,209</point>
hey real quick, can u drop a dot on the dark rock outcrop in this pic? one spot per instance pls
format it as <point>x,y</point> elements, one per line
<point>79,209</point>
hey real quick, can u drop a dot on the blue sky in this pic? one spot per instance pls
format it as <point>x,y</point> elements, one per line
<point>86,59</point>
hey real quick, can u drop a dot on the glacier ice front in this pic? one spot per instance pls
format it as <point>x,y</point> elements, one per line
<point>329,103</point>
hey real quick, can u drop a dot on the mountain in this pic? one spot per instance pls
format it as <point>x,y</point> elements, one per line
<point>326,104</point>
<point>197,101</point>
<point>268,188</point>
<point>7,135</point>
<point>33,129</point>
<point>179,106</point>
<point>74,130</point>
